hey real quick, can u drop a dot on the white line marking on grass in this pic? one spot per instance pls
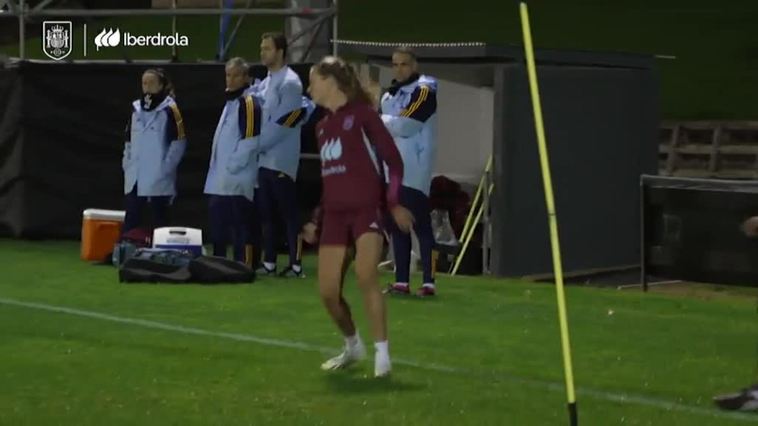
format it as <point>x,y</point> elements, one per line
<point>543,385</point>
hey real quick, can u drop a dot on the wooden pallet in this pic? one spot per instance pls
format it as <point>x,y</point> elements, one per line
<point>709,149</point>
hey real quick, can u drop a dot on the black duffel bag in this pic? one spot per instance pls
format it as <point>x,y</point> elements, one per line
<point>177,267</point>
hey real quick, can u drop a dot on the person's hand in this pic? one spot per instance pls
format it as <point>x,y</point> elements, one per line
<point>750,227</point>
<point>403,218</point>
<point>309,233</point>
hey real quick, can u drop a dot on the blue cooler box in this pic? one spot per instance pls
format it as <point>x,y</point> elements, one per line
<point>179,238</point>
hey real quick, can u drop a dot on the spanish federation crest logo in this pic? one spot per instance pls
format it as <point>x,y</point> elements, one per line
<point>57,38</point>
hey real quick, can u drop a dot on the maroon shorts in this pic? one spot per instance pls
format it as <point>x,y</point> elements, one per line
<point>341,228</point>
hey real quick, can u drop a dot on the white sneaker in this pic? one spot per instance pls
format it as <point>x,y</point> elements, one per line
<point>349,356</point>
<point>382,365</point>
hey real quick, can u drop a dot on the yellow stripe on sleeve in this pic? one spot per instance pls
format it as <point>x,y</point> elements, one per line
<point>249,117</point>
<point>291,119</point>
<point>179,122</point>
<point>414,106</point>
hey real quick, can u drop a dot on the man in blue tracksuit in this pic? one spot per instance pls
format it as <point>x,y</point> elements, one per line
<point>409,111</point>
<point>233,168</point>
<point>284,112</point>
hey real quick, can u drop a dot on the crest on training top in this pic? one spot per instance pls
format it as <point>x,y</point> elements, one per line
<point>348,123</point>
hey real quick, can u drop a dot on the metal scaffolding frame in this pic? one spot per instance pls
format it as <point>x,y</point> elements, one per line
<point>20,9</point>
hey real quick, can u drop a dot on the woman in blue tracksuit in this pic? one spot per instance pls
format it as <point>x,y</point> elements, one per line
<point>154,146</point>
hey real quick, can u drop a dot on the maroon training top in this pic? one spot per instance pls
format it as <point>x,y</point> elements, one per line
<point>353,143</point>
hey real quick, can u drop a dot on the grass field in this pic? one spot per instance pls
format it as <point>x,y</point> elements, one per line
<point>78,348</point>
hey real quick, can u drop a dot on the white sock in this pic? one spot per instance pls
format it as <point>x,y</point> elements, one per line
<point>429,285</point>
<point>270,266</point>
<point>353,341</point>
<point>297,268</point>
<point>382,348</point>
<point>402,284</point>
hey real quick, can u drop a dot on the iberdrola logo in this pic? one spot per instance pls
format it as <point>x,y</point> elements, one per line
<point>112,38</point>
<point>332,150</point>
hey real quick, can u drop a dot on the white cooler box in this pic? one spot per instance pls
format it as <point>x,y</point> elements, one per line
<point>179,238</point>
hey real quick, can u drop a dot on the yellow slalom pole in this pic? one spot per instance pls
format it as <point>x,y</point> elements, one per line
<point>476,199</point>
<point>552,219</point>
<point>467,225</point>
<point>467,239</point>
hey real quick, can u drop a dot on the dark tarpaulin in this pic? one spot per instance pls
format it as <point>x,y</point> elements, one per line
<point>11,185</point>
<point>61,141</point>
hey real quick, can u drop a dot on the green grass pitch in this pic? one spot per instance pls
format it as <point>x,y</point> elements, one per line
<point>485,352</point>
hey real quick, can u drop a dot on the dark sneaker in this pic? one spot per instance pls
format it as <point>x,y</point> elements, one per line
<point>426,291</point>
<point>744,400</point>
<point>398,288</point>
<point>263,271</point>
<point>289,272</point>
